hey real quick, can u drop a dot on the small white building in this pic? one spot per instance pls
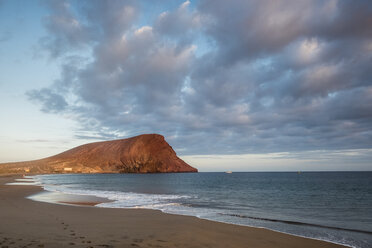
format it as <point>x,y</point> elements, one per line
<point>67,169</point>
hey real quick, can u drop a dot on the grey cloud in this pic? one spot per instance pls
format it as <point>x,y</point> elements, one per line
<point>179,22</point>
<point>51,102</point>
<point>277,77</point>
<point>351,106</point>
<point>68,32</point>
<point>110,18</point>
<point>140,70</point>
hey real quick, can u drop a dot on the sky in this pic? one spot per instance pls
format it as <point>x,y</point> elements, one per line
<point>242,85</point>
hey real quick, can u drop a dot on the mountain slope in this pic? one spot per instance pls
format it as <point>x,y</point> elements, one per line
<point>147,153</point>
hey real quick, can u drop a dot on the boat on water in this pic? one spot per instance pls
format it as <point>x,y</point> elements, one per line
<point>228,172</point>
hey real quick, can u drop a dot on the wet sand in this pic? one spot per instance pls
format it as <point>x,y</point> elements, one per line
<point>27,223</point>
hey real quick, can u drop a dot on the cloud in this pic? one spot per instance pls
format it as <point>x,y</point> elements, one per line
<point>67,32</point>
<point>51,102</point>
<point>178,22</point>
<point>275,77</point>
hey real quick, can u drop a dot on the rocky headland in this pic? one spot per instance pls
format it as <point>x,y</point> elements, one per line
<point>147,153</point>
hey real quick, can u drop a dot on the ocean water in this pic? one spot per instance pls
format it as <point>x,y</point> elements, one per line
<point>331,206</point>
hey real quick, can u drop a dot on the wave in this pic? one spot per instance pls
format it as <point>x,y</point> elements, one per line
<point>194,205</point>
<point>165,202</point>
<point>296,223</point>
<point>123,199</point>
<point>24,182</point>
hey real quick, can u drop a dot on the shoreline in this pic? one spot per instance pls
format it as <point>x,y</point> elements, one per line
<point>175,230</point>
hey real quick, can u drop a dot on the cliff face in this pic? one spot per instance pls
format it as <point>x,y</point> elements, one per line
<point>148,153</point>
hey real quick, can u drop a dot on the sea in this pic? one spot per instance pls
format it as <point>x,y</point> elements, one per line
<point>330,206</point>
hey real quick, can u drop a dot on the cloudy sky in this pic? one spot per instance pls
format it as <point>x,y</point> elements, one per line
<point>246,85</point>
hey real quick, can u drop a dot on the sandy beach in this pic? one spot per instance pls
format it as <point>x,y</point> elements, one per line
<point>27,223</point>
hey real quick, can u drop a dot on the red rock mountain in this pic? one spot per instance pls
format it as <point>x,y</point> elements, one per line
<point>147,153</point>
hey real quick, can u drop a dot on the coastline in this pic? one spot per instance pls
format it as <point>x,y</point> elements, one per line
<point>40,224</point>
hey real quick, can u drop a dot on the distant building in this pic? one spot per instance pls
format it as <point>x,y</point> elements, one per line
<point>27,169</point>
<point>67,169</point>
